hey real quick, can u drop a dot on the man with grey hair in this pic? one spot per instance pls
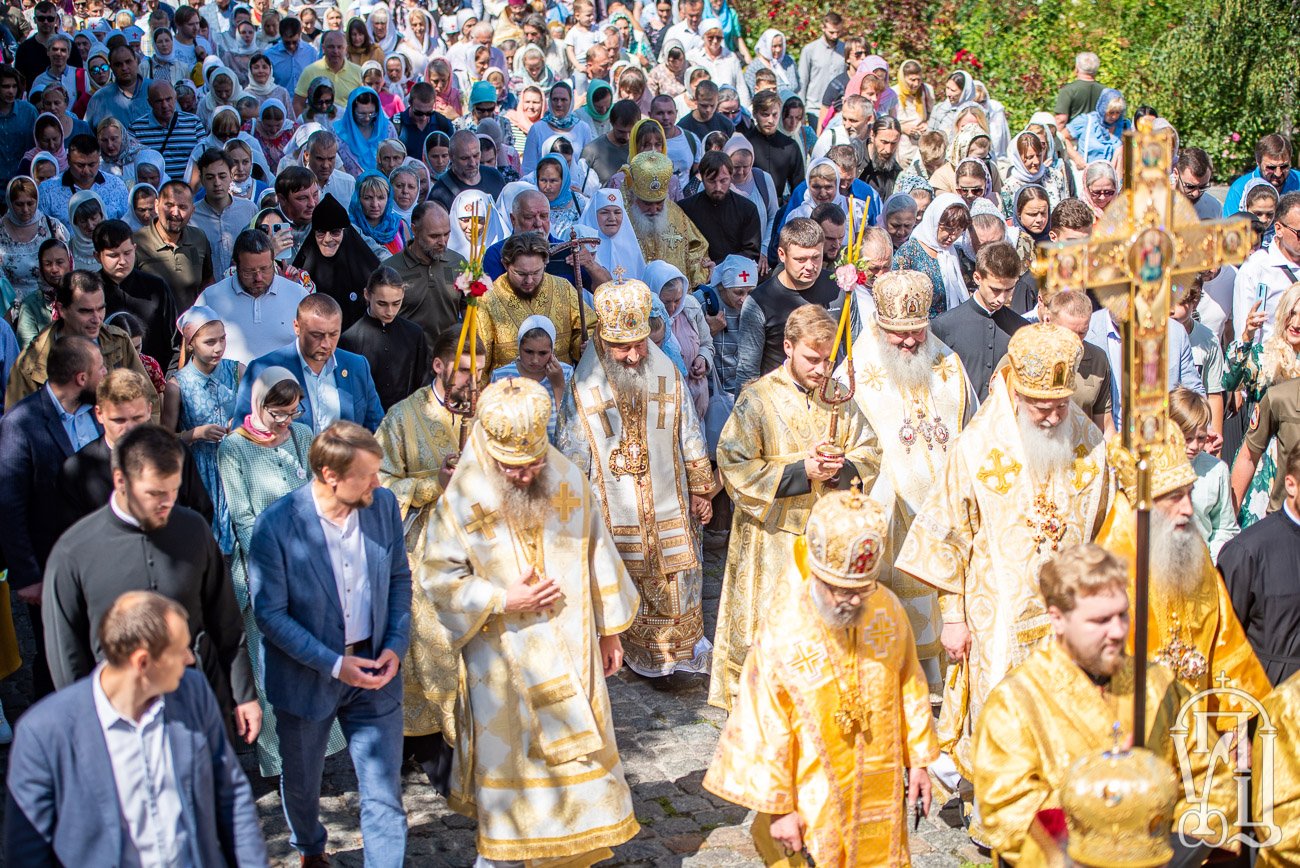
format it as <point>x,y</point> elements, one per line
<point>166,129</point>
<point>531,212</point>
<point>428,271</point>
<point>852,126</point>
<point>1079,96</point>
<point>465,173</point>
<point>321,155</point>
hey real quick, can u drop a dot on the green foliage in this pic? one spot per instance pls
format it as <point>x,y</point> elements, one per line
<point>1223,71</point>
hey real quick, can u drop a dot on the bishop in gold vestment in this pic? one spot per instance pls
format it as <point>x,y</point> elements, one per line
<point>833,706</point>
<point>536,761</point>
<point>776,425</point>
<point>628,422</point>
<point>1192,628</point>
<point>995,514</point>
<point>666,232</point>
<point>504,308</point>
<point>1277,750</point>
<point>915,393</point>
<point>419,435</point>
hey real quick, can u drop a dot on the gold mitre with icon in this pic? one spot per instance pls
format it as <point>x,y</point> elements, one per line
<point>648,175</point>
<point>1170,469</point>
<point>1119,807</point>
<point>513,414</point>
<point>1044,361</point>
<point>902,300</point>
<point>845,539</point>
<point>623,309</point>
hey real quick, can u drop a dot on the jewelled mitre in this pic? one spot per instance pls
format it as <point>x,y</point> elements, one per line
<point>513,414</point>
<point>902,300</point>
<point>1119,806</point>
<point>1170,469</point>
<point>623,307</point>
<point>1044,360</point>
<point>649,173</point>
<point>846,539</point>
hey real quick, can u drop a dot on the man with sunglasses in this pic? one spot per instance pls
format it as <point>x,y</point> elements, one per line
<point>419,119</point>
<point>33,56</point>
<point>1195,175</point>
<point>1273,157</point>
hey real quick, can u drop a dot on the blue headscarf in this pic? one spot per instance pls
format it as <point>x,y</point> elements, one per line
<point>565,196</point>
<point>670,346</point>
<point>1095,139</point>
<point>364,149</point>
<point>390,222</point>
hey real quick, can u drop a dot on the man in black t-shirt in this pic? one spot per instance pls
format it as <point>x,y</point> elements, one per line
<point>704,118</point>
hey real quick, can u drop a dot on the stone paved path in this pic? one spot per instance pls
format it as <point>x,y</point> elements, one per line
<point>666,739</point>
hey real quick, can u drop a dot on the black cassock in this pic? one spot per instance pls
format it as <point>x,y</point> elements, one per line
<point>1261,568</point>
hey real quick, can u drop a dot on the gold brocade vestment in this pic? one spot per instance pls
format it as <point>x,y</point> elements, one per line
<point>1195,633</point>
<point>984,530</point>
<point>535,756</point>
<point>682,245</point>
<point>915,429</point>
<point>1283,713</point>
<point>782,749</point>
<point>501,312</point>
<point>417,435</point>
<point>1047,714</point>
<point>774,424</point>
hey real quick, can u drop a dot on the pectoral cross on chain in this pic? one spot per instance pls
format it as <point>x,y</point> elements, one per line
<point>483,522</point>
<point>664,399</point>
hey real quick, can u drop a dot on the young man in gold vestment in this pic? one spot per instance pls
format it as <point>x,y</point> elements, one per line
<point>1073,697</point>
<point>420,436</point>
<point>526,579</point>
<point>833,721</point>
<point>774,467</point>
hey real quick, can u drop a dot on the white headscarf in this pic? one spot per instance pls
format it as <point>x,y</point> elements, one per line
<point>505,216</point>
<point>470,202</point>
<point>949,264</point>
<point>537,321</point>
<point>808,205</point>
<point>622,250</point>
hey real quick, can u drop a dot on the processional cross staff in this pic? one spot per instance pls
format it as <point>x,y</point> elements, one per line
<point>1141,255</point>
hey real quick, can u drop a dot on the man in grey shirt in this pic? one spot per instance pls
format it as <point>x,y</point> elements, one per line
<point>607,154</point>
<point>820,61</point>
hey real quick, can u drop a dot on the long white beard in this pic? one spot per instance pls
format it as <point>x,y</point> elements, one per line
<point>646,226</point>
<point>1048,451</point>
<point>1177,554</point>
<point>835,616</point>
<point>909,371</point>
<point>528,507</point>
<point>625,381</point>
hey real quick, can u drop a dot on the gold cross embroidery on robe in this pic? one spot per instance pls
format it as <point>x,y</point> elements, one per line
<point>1000,468</point>
<point>482,522</point>
<point>665,400</point>
<point>1084,468</point>
<point>564,502</point>
<point>600,411</point>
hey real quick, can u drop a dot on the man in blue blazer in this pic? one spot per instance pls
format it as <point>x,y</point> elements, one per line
<point>336,384</point>
<point>37,435</point>
<point>79,786</point>
<point>332,596</point>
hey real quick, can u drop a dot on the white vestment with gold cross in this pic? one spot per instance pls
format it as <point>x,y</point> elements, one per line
<point>915,430</point>
<point>981,536</point>
<point>536,760</point>
<point>645,456</point>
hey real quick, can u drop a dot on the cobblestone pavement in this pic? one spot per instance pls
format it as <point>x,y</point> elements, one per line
<point>666,739</point>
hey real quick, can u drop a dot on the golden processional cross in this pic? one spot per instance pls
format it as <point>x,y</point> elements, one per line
<point>1142,253</point>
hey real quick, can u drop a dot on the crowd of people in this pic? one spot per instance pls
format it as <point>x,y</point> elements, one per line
<point>377,377</point>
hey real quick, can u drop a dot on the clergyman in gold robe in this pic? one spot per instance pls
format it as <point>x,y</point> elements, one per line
<point>1027,477</point>
<point>526,579</point>
<point>1073,697</point>
<point>1276,777</point>
<point>421,436</point>
<point>833,721</point>
<point>1192,628</point>
<point>628,421</point>
<point>662,228</point>
<point>772,469</point>
<point>915,393</point>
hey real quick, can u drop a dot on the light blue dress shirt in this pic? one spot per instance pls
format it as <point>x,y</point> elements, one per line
<point>322,391</point>
<point>1103,332</point>
<point>79,425</point>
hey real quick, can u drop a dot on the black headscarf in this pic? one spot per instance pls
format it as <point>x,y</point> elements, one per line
<point>342,276</point>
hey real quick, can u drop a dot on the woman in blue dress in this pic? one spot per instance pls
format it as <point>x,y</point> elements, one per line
<point>208,383</point>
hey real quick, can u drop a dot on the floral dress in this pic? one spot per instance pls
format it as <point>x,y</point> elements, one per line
<point>19,263</point>
<point>209,399</point>
<point>1243,371</point>
<point>911,256</point>
<point>254,477</point>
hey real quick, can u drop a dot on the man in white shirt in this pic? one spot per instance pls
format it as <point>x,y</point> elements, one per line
<point>322,156</point>
<point>257,305</point>
<point>687,29</point>
<point>1105,333</point>
<point>1269,272</point>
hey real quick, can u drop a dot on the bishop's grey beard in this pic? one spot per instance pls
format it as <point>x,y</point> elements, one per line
<point>837,616</point>
<point>646,226</point>
<point>1048,451</point>
<point>527,507</point>
<point>1177,554</point>
<point>629,382</point>
<point>907,371</point>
